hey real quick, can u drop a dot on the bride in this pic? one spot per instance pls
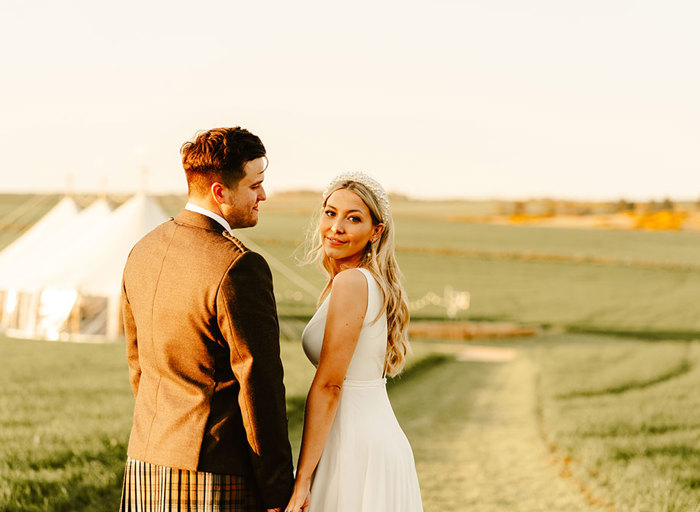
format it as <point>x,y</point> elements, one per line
<point>354,456</point>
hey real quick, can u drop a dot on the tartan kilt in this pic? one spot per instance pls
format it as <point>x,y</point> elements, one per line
<point>151,488</point>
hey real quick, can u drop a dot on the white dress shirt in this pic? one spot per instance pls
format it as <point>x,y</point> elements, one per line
<point>218,218</point>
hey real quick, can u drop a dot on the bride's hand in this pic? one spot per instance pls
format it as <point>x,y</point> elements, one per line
<point>300,499</point>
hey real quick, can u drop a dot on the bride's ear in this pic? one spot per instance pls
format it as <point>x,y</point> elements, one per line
<point>378,230</point>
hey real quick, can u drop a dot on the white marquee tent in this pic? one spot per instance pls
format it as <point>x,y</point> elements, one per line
<point>70,282</point>
<point>13,258</point>
<point>49,254</point>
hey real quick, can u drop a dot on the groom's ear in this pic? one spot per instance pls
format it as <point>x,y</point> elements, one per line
<point>217,192</point>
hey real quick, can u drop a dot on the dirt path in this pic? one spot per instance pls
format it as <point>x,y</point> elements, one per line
<point>510,466</point>
<point>493,459</point>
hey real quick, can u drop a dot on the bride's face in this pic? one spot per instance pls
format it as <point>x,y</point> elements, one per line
<point>346,228</point>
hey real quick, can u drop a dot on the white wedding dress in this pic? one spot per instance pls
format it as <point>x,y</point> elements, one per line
<point>367,464</point>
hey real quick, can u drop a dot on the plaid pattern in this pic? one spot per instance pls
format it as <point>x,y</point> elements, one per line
<point>151,488</point>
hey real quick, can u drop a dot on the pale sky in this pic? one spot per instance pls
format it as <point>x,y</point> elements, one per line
<point>589,99</point>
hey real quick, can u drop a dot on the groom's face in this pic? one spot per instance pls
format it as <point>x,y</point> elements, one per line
<point>241,206</point>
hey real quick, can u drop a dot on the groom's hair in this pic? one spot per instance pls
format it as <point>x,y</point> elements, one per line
<point>219,155</point>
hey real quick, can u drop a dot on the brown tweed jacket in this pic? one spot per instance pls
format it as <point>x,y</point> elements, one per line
<point>202,343</point>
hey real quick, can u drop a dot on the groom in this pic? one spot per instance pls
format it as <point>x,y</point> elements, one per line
<point>202,342</point>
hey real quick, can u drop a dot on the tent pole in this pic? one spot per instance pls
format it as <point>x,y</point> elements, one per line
<point>113,303</point>
<point>3,311</point>
<point>75,316</point>
<point>33,313</point>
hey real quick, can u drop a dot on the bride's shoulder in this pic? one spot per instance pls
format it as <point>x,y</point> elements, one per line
<point>351,280</point>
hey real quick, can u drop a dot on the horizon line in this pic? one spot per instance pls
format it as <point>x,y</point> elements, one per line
<point>404,195</point>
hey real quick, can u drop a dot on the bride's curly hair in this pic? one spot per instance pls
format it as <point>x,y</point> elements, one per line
<point>379,259</point>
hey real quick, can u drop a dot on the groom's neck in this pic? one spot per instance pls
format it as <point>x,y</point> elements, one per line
<point>204,202</point>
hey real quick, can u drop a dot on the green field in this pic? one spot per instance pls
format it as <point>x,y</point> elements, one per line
<point>661,247</point>
<point>615,419</point>
<point>571,279</point>
<point>567,278</point>
<point>65,415</point>
<point>626,417</point>
<point>598,414</point>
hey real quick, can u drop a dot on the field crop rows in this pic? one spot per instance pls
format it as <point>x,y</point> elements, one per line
<point>577,295</point>
<point>19,212</point>
<point>623,419</point>
<point>652,246</point>
<point>522,274</point>
<point>287,222</point>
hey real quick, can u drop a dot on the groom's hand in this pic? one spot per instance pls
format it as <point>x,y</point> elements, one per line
<point>278,509</point>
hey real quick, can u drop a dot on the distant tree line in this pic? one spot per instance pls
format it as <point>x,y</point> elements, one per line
<point>549,207</point>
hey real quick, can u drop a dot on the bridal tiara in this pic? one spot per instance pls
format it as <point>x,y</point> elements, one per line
<point>367,181</point>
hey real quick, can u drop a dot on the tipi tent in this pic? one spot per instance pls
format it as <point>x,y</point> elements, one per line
<point>76,294</point>
<point>55,258</point>
<point>14,261</point>
<point>40,265</point>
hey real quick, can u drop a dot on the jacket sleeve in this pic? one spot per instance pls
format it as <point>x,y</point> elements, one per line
<point>247,317</point>
<point>132,350</point>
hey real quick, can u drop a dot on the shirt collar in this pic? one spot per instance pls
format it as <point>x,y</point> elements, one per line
<point>218,218</point>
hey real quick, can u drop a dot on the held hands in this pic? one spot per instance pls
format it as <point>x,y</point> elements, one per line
<point>300,499</point>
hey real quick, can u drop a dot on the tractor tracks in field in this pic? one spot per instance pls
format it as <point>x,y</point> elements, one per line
<point>685,366</point>
<point>566,462</point>
<point>562,460</point>
<point>591,481</point>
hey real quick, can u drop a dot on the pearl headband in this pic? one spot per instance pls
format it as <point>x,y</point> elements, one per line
<point>369,182</point>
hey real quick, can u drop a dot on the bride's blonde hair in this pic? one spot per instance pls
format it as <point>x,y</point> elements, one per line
<point>378,258</point>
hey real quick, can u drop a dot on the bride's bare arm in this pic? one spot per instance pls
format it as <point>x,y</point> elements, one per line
<point>346,312</point>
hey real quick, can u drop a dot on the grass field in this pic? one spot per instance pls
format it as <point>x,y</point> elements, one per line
<point>574,423</point>
<point>627,417</point>
<point>620,246</point>
<point>65,415</point>
<point>577,422</point>
<point>611,294</point>
<point>64,418</point>
<point>573,279</point>
<point>422,225</point>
